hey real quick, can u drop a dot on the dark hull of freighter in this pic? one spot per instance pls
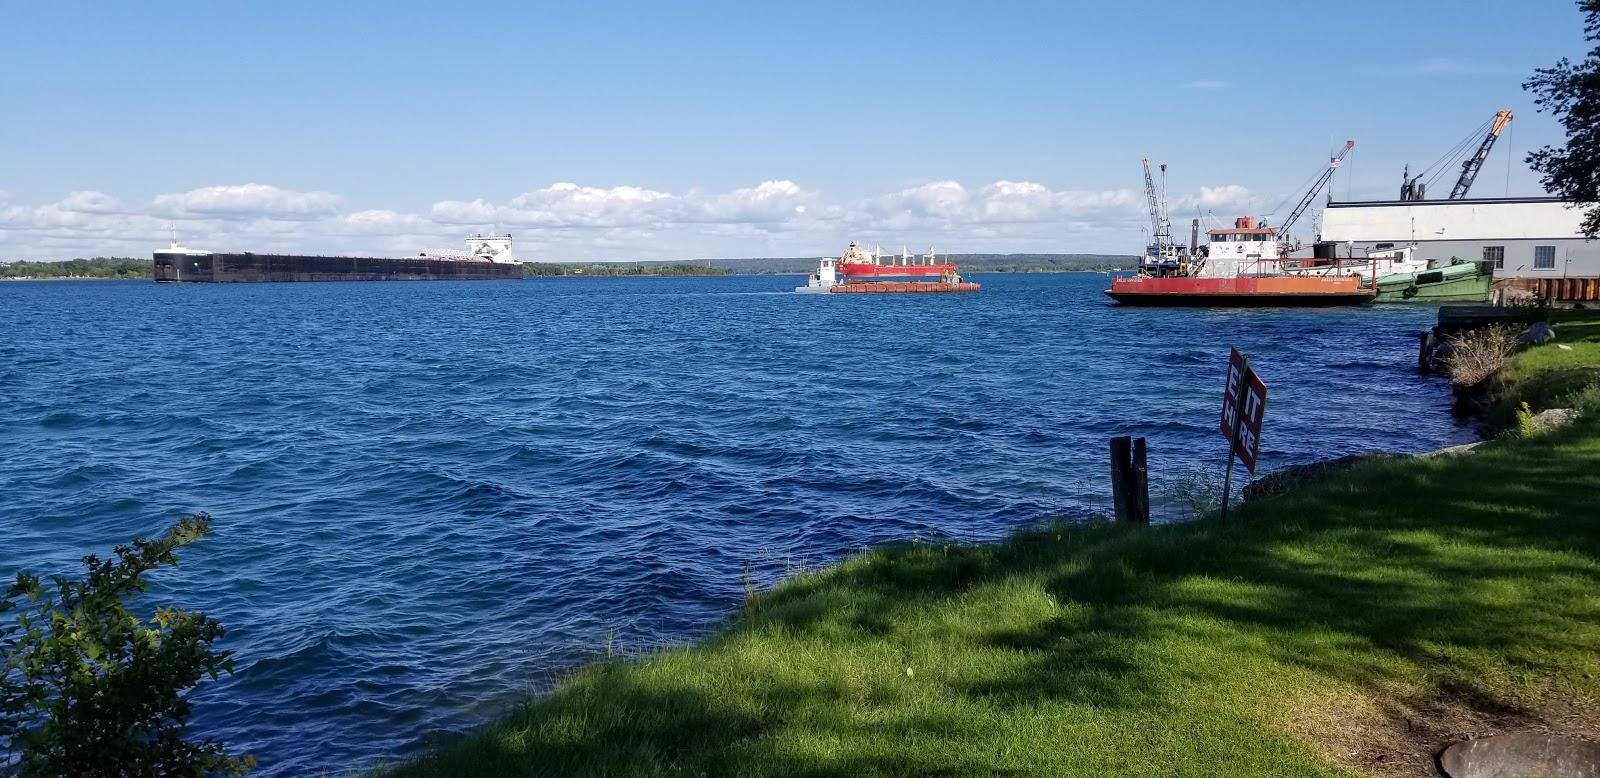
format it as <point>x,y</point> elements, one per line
<point>269,268</point>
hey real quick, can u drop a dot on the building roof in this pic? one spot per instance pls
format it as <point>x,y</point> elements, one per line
<point>1466,201</point>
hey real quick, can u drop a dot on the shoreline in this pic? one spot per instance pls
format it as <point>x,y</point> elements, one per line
<point>75,278</point>
<point>1357,620</point>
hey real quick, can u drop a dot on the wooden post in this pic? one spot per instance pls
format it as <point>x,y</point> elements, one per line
<point>1425,351</point>
<point>1141,483</point>
<point>1121,465</point>
<point>1130,480</point>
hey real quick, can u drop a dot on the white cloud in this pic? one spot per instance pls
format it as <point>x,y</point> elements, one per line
<point>458,212</point>
<point>90,202</point>
<point>246,201</point>
<point>566,205</point>
<point>947,205</point>
<point>569,221</point>
<point>79,211</point>
<point>1206,83</point>
<point>1228,199</point>
<point>384,222</point>
<point>771,202</point>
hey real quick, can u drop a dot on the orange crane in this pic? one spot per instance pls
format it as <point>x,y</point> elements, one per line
<point>1474,163</point>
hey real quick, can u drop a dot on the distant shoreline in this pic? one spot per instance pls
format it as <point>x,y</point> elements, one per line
<point>796,274</point>
<point>74,278</point>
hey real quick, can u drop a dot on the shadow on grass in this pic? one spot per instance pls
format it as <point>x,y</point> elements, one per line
<point>1461,578</point>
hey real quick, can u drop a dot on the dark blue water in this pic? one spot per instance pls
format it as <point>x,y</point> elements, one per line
<point>430,497</point>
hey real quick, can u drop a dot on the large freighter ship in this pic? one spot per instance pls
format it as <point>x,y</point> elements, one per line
<point>487,258</point>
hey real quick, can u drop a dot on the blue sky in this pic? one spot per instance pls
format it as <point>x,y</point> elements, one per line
<point>662,130</point>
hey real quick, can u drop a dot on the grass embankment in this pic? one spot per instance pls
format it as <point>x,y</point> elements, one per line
<point>1560,375</point>
<point>1351,625</point>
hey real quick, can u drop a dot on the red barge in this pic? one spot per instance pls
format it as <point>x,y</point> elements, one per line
<point>1245,265</point>
<point>1239,267</point>
<point>857,272</point>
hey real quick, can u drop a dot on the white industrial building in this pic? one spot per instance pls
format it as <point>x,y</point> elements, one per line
<point>1526,237</point>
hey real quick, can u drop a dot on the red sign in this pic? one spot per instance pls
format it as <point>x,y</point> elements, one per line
<point>1244,404</point>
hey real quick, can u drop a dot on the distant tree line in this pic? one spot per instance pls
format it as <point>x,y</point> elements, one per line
<point>968,263</point>
<point>97,267</point>
<point>531,269</point>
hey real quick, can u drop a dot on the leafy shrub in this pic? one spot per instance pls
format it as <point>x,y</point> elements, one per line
<point>1585,401</point>
<point>1475,355</point>
<point>89,688</point>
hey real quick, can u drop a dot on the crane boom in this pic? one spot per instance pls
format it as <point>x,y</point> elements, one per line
<point>1155,203</point>
<point>1474,163</point>
<point>1305,202</point>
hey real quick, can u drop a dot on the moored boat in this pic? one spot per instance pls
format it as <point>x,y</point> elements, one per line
<point>1239,266</point>
<point>1462,281</point>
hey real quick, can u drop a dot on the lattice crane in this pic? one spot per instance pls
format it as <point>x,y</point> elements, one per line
<point>1474,163</point>
<point>1305,202</point>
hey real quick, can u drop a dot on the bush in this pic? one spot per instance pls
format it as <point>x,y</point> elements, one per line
<point>1475,355</point>
<point>89,688</point>
<point>1585,401</point>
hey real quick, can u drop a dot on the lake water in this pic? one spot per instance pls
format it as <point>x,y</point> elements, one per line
<point>431,497</point>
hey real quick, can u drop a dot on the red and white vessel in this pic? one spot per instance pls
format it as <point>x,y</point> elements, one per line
<point>858,272</point>
<point>1240,266</point>
<point>1245,265</point>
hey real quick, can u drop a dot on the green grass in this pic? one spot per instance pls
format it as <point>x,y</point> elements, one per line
<point>1549,376</point>
<point>1353,624</point>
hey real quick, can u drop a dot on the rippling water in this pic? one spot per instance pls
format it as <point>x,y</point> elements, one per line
<point>430,497</point>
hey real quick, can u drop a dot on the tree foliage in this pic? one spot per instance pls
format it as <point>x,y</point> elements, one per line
<point>89,688</point>
<point>1571,93</point>
<point>98,267</point>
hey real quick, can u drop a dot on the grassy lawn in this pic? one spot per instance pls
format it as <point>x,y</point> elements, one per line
<point>1353,625</point>
<point>1550,376</point>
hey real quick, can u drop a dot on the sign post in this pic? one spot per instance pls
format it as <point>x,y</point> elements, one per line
<point>1244,403</point>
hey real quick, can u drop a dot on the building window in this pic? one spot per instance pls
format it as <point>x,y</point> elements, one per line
<point>1544,257</point>
<point>1495,254</point>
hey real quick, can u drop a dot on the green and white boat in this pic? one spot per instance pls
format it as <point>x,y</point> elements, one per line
<point>1462,281</point>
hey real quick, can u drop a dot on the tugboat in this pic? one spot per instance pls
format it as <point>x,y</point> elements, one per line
<point>858,272</point>
<point>1400,276</point>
